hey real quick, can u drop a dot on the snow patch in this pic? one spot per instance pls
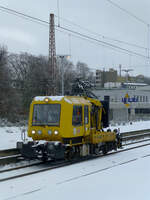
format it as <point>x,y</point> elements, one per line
<point>52,98</point>
<point>67,100</point>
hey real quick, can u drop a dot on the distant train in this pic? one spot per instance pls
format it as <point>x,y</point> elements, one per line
<point>65,127</point>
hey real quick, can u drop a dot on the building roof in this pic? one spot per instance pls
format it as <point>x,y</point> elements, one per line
<point>135,84</point>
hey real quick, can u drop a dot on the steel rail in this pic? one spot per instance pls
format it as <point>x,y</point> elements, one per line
<point>10,159</point>
<point>8,156</point>
<point>67,163</point>
<point>21,167</point>
<point>9,152</point>
<point>135,142</point>
<point>123,134</point>
<point>136,136</point>
<point>14,154</point>
<point>40,162</point>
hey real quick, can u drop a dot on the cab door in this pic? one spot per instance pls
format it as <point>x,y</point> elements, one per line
<point>77,121</point>
<point>86,120</point>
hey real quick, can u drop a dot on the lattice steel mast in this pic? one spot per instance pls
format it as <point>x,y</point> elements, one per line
<point>52,55</point>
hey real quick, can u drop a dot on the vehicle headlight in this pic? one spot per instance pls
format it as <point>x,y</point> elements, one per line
<point>49,132</point>
<point>33,132</point>
<point>56,132</point>
<point>46,99</point>
<point>39,132</point>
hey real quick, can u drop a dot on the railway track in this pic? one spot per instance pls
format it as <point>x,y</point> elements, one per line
<point>19,172</point>
<point>9,152</point>
<point>128,139</point>
<point>135,136</point>
<point>8,156</point>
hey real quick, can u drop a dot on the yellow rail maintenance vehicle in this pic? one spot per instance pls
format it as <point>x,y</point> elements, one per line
<point>66,127</point>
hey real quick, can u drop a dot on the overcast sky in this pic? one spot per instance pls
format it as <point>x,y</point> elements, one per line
<point>99,16</point>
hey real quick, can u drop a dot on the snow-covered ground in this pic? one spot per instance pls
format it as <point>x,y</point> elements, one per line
<point>9,136</point>
<point>132,126</point>
<point>121,176</point>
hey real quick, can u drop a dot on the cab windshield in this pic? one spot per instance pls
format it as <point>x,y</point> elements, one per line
<point>46,114</point>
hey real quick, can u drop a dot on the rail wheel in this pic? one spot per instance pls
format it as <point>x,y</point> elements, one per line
<point>69,154</point>
<point>104,150</point>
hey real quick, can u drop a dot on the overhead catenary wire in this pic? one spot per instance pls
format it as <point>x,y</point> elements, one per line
<point>42,22</point>
<point>72,31</point>
<point>98,34</point>
<point>100,41</point>
<point>127,12</point>
<point>90,41</point>
<point>45,23</point>
<point>96,41</point>
<point>24,17</point>
<point>137,18</point>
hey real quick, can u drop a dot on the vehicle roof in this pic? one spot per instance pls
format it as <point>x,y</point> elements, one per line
<point>68,99</point>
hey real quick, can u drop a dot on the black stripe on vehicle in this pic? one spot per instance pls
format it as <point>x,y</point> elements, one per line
<point>73,140</point>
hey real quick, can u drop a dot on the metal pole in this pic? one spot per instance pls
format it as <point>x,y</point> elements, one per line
<point>62,72</point>
<point>58,13</point>
<point>62,76</point>
<point>148,39</point>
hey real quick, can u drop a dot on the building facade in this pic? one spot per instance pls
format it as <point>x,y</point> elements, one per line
<point>103,77</point>
<point>127,104</point>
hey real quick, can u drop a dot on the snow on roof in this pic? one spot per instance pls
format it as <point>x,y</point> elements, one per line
<point>68,99</point>
<point>135,84</point>
<point>76,100</point>
<point>52,98</point>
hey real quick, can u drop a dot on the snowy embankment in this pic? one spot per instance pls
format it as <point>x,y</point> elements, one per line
<point>124,175</point>
<point>132,126</point>
<point>10,135</point>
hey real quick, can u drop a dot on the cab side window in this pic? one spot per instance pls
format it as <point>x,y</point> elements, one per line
<point>77,116</point>
<point>86,114</point>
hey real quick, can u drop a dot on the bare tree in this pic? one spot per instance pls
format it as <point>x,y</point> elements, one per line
<point>84,73</point>
<point>83,70</point>
<point>23,76</point>
<point>6,89</point>
<point>69,74</point>
<point>31,76</point>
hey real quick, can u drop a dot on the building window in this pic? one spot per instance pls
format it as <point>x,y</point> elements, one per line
<point>140,98</point>
<point>142,111</point>
<point>116,99</point>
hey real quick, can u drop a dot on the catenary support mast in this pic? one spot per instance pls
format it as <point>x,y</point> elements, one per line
<point>52,55</point>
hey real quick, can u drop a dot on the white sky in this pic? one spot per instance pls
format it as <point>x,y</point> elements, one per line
<point>96,15</point>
